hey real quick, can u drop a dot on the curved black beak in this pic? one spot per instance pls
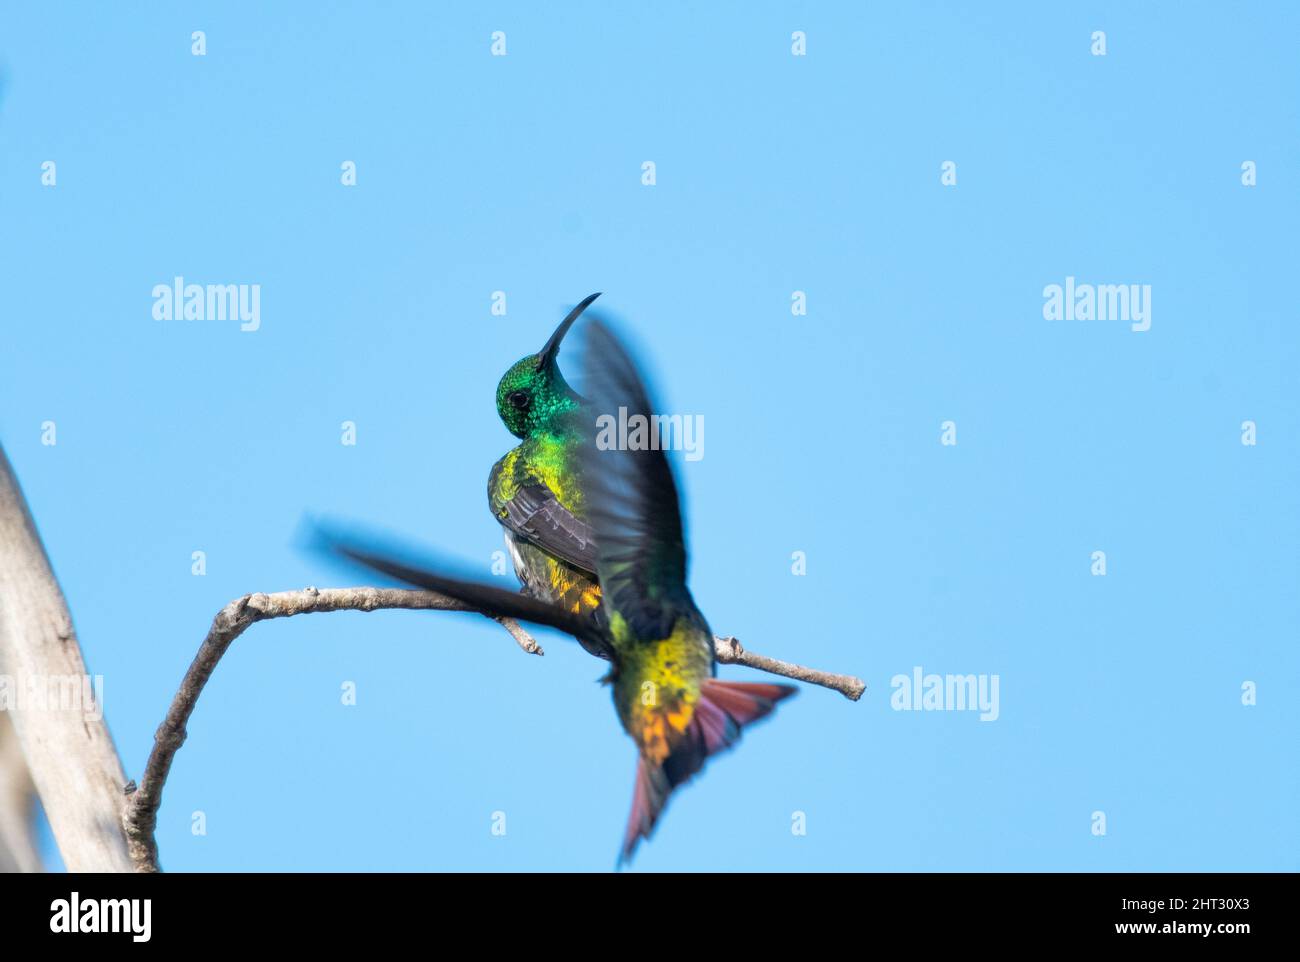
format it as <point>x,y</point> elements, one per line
<point>552,347</point>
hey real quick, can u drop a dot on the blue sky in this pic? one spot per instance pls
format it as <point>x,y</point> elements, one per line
<point>774,173</point>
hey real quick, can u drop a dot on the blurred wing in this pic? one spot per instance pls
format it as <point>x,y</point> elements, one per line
<point>632,503</point>
<point>481,597</point>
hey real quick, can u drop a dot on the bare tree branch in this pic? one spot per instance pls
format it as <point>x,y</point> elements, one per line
<point>69,751</point>
<point>729,651</point>
<point>141,816</point>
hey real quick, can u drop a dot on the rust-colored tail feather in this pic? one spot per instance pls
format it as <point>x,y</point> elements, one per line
<point>724,708</point>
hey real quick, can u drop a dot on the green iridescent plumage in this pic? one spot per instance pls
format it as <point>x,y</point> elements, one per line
<point>535,491</point>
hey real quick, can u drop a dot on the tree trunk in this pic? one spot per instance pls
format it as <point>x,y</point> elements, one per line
<point>65,740</point>
<point>17,805</point>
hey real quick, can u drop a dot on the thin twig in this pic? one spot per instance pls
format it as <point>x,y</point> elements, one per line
<point>729,651</point>
<point>141,816</point>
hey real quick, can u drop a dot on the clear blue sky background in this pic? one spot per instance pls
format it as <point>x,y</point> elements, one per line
<point>775,173</point>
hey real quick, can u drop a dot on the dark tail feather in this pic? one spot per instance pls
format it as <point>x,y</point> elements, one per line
<point>724,708</point>
<point>649,795</point>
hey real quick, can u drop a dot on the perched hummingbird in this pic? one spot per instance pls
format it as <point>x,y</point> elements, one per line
<point>535,491</point>
<point>659,643</point>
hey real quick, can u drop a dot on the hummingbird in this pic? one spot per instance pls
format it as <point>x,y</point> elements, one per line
<point>535,491</point>
<point>663,670</point>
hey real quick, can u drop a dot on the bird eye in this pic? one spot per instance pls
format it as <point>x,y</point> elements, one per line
<point>518,399</point>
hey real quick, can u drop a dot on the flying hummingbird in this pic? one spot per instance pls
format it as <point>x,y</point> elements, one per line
<point>665,693</point>
<point>536,491</point>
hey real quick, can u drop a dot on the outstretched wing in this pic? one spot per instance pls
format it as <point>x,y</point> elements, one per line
<point>632,502</point>
<point>482,597</point>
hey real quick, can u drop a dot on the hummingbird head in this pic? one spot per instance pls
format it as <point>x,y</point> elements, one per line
<point>534,391</point>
